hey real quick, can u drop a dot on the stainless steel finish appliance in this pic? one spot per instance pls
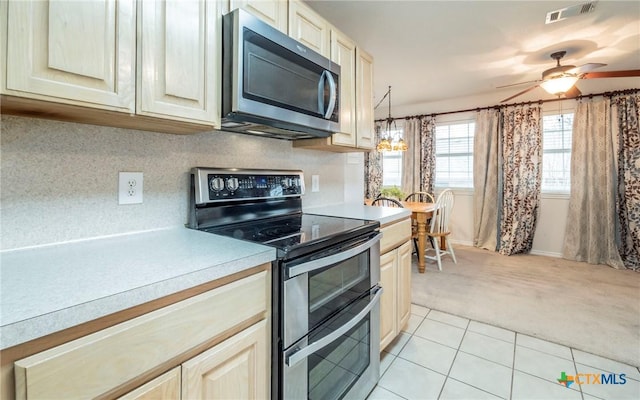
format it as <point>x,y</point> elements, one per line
<point>273,85</point>
<point>326,332</point>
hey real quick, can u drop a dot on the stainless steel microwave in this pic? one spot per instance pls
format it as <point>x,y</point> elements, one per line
<point>273,85</point>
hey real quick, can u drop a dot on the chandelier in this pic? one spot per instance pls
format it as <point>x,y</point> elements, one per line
<point>389,141</point>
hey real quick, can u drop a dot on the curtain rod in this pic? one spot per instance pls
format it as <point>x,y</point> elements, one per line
<point>499,106</point>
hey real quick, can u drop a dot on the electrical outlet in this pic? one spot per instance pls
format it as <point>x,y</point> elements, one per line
<point>315,183</point>
<point>130,186</point>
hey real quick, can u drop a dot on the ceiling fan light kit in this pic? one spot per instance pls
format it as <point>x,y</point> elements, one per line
<point>561,79</point>
<point>560,85</point>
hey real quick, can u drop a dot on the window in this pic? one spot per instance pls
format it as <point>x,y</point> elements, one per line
<point>454,155</point>
<point>556,156</point>
<point>392,165</point>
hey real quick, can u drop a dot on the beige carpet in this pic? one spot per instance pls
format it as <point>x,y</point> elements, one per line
<point>593,308</point>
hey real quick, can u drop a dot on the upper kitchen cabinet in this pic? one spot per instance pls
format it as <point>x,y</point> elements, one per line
<point>273,12</point>
<point>309,28</point>
<point>179,60</point>
<point>151,65</point>
<point>343,52</point>
<point>364,100</point>
<point>80,52</point>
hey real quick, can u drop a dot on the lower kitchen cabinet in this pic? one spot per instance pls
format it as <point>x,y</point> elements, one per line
<point>212,345</point>
<point>234,369</point>
<point>395,279</point>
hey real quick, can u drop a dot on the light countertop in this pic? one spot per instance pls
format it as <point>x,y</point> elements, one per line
<point>385,215</point>
<point>49,288</point>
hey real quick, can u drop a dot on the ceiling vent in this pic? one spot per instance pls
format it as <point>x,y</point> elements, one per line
<point>564,13</point>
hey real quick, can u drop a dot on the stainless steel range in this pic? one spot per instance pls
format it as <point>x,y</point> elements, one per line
<point>326,334</point>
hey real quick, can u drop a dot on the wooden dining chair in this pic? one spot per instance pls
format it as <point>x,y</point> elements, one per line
<point>386,202</point>
<point>421,197</point>
<point>439,228</point>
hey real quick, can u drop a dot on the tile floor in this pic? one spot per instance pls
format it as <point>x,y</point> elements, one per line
<point>443,356</point>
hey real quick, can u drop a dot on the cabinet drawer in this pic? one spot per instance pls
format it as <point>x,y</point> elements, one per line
<point>394,235</point>
<point>92,365</point>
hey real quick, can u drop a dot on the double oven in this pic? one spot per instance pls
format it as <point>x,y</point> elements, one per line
<point>325,291</point>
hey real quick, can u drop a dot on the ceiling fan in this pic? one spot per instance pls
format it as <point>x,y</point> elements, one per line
<point>561,79</point>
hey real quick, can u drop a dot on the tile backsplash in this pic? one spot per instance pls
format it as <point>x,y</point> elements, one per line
<point>59,180</point>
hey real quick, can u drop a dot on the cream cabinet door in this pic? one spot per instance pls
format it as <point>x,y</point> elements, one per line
<point>343,52</point>
<point>234,369</point>
<point>309,28</point>
<point>364,99</point>
<point>164,387</point>
<point>273,12</point>
<point>74,52</point>
<point>388,300</point>
<point>179,55</point>
<point>404,284</point>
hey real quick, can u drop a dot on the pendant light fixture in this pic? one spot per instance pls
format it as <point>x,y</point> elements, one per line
<point>389,142</point>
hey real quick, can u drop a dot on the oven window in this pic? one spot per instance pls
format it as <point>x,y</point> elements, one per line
<point>333,370</point>
<point>334,287</point>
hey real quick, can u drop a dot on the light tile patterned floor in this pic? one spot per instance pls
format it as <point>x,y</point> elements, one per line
<point>442,356</point>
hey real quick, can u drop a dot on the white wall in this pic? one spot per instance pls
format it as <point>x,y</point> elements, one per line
<point>549,235</point>
<point>59,180</point>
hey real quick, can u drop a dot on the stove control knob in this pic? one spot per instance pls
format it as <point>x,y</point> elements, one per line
<point>232,184</point>
<point>286,183</point>
<point>216,184</point>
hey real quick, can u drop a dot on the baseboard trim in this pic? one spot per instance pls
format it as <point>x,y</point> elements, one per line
<point>534,252</point>
<point>546,253</point>
<point>462,242</point>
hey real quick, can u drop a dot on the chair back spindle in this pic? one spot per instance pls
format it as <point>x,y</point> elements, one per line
<point>386,202</point>
<point>444,204</point>
<point>421,197</point>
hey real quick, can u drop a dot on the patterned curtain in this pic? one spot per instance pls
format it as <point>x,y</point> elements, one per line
<point>522,178</point>
<point>627,112</point>
<point>373,167</point>
<point>411,158</point>
<point>485,180</point>
<point>591,220</point>
<point>427,154</point>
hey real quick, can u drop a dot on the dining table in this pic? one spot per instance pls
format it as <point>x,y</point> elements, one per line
<point>421,213</point>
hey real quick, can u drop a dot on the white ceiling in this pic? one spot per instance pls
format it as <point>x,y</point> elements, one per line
<point>436,53</point>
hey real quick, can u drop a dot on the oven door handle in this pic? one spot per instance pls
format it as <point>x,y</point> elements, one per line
<point>333,259</point>
<point>301,354</point>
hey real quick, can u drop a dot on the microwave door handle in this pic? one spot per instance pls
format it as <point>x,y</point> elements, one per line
<point>301,354</point>
<point>332,259</point>
<point>333,94</point>
<point>321,82</point>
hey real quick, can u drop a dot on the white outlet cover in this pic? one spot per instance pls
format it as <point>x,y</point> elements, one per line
<point>130,185</point>
<point>315,183</point>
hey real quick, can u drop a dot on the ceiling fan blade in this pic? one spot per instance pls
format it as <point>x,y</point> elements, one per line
<point>612,74</point>
<point>516,84</point>
<point>521,93</point>
<point>584,68</point>
<point>573,92</point>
